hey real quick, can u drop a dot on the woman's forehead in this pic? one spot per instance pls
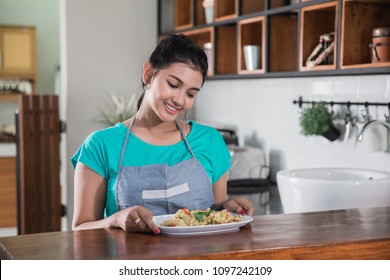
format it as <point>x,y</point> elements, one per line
<point>186,73</point>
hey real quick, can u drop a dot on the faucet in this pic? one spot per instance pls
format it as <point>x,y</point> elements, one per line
<point>371,123</point>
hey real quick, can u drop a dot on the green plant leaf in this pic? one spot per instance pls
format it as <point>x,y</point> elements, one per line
<point>199,216</point>
<point>316,120</point>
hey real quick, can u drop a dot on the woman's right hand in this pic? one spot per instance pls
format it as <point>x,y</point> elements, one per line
<point>136,219</point>
<point>89,201</point>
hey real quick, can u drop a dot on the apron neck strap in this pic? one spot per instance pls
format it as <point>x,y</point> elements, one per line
<point>130,126</point>
<point>125,143</point>
<point>184,138</point>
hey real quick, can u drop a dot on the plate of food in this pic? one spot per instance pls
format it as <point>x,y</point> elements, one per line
<point>200,222</point>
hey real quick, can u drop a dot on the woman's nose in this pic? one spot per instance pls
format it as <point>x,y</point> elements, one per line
<point>178,99</point>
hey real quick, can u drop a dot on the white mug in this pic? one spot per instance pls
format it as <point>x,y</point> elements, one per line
<point>252,57</point>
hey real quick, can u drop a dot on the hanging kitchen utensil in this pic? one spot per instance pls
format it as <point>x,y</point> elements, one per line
<point>348,124</point>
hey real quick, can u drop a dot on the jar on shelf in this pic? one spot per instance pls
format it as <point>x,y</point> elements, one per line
<point>380,46</point>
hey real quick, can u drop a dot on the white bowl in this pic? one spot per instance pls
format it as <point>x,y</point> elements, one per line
<point>320,189</point>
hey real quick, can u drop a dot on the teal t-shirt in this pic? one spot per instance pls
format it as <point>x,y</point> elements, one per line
<point>101,152</point>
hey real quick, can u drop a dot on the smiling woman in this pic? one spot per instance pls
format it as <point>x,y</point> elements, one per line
<point>152,164</point>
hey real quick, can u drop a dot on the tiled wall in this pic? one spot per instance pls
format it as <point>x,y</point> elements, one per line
<point>263,113</point>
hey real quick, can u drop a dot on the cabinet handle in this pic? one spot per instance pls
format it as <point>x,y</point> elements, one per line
<point>1,59</point>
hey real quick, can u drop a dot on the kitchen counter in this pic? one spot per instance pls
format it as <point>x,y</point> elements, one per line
<point>7,149</point>
<point>340,234</point>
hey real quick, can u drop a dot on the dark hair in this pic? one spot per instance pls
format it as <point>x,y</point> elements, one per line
<point>177,48</point>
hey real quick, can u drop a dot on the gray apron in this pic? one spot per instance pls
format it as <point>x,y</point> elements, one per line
<point>161,188</point>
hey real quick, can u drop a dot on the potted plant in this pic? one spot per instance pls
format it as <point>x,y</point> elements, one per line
<point>317,120</point>
<point>118,109</point>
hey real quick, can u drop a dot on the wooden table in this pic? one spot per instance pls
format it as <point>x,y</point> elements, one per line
<point>342,234</point>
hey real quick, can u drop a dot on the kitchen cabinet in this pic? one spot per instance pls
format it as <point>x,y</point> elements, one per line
<point>17,52</point>
<point>18,67</point>
<point>287,32</point>
<point>8,192</point>
<point>9,98</point>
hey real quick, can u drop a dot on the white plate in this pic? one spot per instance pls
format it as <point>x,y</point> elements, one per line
<point>199,230</point>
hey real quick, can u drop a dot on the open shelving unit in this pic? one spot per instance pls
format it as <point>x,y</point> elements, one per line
<point>184,19</point>
<point>358,20</point>
<point>287,32</point>
<point>226,49</point>
<point>317,20</point>
<point>201,37</point>
<point>283,42</point>
<point>225,9</point>
<point>251,32</point>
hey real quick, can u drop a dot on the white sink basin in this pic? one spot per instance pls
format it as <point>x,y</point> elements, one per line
<point>320,189</point>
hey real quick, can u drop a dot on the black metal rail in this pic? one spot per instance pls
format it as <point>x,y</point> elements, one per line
<point>300,102</point>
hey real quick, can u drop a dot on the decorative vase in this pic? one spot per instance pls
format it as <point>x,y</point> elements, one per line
<point>208,6</point>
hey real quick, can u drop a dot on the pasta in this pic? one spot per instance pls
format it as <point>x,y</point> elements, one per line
<point>184,217</point>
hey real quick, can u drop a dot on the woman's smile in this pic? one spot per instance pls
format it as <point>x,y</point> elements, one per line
<point>171,109</point>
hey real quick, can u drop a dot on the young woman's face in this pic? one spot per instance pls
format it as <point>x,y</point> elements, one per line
<point>172,91</point>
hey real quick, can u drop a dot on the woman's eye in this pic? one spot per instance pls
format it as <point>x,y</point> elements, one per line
<point>190,95</point>
<point>172,85</point>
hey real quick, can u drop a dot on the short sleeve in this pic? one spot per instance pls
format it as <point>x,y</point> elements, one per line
<point>92,153</point>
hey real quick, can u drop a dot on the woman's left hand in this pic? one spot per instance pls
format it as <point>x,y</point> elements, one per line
<point>239,205</point>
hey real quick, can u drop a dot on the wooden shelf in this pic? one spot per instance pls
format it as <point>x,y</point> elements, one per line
<point>201,37</point>
<point>287,31</point>
<point>358,20</point>
<point>283,42</point>
<point>278,3</point>
<point>251,32</point>
<point>9,97</point>
<point>226,49</point>
<point>225,9</point>
<point>200,16</point>
<point>317,20</point>
<point>252,6</point>
<point>183,14</point>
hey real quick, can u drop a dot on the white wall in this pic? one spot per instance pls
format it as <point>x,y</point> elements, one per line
<point>105,44</point>
<point>263,112</point>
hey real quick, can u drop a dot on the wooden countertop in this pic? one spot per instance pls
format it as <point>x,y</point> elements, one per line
<point>341,234</point>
